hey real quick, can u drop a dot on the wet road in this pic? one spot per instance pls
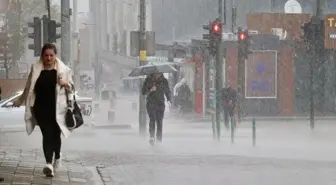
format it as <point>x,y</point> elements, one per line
<point>285,154</point>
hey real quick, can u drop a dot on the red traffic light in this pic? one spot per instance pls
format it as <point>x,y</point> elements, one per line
<point>242,36</point>
<point>216,28</point>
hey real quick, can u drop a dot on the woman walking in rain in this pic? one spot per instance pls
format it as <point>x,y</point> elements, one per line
<point>156,87</point>
<point>45,100</point>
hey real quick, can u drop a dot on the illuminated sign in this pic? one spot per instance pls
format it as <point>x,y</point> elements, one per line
<point>331,22</point>
<point>261,75</point>
<point>330,31</point>
<point>332,35</point>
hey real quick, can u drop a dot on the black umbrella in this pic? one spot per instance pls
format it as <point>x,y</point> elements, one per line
<point>152,69</point>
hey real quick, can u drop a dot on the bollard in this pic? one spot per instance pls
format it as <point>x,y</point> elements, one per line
<point>111,116</point>
<point>232,130</point>
<point>254,131</point>
<point>213,127</point>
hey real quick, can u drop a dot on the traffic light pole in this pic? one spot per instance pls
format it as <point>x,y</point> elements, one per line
<point>65,32</point>
<point>142,61</point>
<point>219,71</point>
<point>48,8</point>
<point>315,21</point>
<point>241,84</point>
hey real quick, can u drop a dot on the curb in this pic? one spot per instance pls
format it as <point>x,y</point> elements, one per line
<point>112,126</point>
<point>207,119</point>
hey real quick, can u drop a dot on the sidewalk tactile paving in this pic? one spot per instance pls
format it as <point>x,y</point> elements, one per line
<point>41,180</point>
<point>26,168</point>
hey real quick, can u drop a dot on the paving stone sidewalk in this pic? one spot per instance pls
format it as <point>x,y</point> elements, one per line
<point>25,168</point>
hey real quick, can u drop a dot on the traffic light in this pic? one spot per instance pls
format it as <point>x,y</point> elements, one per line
<point>50,30</point>
<point>234,18</point>
<point>45,22</point>
<point>313,34</point>
<point>216,29</point>
<point>36,35</point>
<point>214,34</point>
<point>243,43</point>
<point>307,32</point>
<point>53,35</point>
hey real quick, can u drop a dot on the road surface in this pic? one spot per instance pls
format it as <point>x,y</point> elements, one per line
<point>285,154</point>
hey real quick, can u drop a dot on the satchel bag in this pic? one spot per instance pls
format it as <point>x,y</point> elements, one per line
<point>73,116</point>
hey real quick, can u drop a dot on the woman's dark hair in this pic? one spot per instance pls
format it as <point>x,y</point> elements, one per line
<point>48,46</point>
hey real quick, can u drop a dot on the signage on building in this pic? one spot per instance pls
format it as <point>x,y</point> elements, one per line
<point>330,31</point>
<point>211,103</point>
<point>293,6</point>
<point>261,75</point>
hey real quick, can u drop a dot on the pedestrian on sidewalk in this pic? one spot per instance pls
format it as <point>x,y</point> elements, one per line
<point>183,96</point>
<point>229,99</point>
<point>156,87</point>
<point>45,101</point>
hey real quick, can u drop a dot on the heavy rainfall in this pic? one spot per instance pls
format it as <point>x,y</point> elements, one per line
<point>162,92</point>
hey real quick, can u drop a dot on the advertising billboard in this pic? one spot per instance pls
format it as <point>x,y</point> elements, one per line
<point>261,74</point>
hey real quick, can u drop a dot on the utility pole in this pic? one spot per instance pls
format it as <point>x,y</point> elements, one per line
<point>142,61</point>
<point>219,68</point>
<point>316,24</point>
<point>243,45</point>
<point>75,43</point>
<point>47,2</point>
<point>65,32</point>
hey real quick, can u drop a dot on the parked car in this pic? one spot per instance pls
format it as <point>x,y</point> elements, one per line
<point>12,115</point>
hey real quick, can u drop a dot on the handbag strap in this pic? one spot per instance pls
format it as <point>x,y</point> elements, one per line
<point>69,103</point>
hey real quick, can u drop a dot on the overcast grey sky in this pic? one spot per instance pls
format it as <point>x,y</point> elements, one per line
<point>83,5</point>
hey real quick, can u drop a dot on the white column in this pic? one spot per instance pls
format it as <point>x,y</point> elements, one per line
<point>75,44</point>
<point>104,24</point>
<point>149,15</point>
<point>109,23</point>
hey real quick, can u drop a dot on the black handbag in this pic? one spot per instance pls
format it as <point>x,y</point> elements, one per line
<point>73,116</point>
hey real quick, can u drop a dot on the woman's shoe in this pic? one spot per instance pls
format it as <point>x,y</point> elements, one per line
<point>48,170</point>
<point>57,163</point>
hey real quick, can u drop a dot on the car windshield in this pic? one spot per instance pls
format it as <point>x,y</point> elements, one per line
<point>9,97</point>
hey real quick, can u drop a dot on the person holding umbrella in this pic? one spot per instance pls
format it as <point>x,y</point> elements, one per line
<point>156,87</point>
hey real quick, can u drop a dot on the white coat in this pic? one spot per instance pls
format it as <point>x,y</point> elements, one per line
<point>28,96</point>
<point>178,85</point>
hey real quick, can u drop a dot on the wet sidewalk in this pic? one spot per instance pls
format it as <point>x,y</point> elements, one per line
<point>25,168</point>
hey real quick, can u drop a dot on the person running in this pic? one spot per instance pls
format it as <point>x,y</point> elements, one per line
<point>156,87</point>
<point>45,102</point>
<point>229,97</point>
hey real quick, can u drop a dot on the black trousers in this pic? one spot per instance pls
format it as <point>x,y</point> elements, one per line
<point>156,114</point>
<point>228,111</point>
<point>52,141</point>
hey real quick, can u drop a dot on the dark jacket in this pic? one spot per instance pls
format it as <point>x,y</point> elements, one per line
<point>229,94</point>
<point>184,92</point>
<point>162,89</point>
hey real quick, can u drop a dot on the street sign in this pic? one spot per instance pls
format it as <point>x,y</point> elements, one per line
<point>143,56</point>
<point>330,31</point>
